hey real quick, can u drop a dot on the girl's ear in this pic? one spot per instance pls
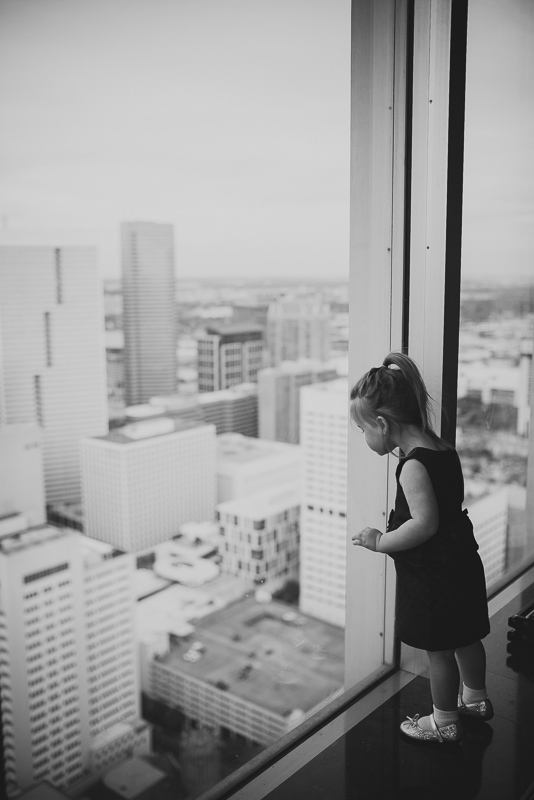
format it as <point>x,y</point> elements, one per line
<point>383,423</point>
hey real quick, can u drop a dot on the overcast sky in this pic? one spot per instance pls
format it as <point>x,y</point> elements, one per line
<point>230,119</point>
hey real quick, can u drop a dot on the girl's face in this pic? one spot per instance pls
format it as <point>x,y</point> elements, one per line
<point>375,434</point>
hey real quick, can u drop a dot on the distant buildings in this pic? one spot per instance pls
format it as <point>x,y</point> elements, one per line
<point>233,410</point>
<point>279,396</point>
<point>228,355</point>
<point>149,310</point>
<point>70,693</point>
<point>260,535</point>
<point>499,382</point>
<point>254,669</point>
<point>298,327</point>
<point>52,357</point>
<point>324,421</point>
<point>142,481</point>
<point>246,466</point>
<point>489,515</point>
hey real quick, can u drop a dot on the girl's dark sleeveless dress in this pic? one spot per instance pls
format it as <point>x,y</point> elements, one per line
<point>441,588</point>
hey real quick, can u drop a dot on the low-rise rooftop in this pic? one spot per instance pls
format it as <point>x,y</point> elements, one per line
<point>149,429</point>
<point>266,653</point>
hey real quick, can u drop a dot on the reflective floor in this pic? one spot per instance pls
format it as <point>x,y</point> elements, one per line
<point>494,762</point>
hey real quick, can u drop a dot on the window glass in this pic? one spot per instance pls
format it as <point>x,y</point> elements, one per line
<point>217,134</point>
<point>494,435</point>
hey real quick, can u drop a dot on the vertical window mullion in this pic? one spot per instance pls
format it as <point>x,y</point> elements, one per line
<point>376,305</point>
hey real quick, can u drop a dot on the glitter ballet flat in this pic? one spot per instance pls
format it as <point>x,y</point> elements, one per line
<point>449,733</point>
<point>481,710</point>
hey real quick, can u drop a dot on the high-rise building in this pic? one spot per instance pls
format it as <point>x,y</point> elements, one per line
<point>279,396</point>
<point>68,669</point>
<point>246,466</point>
<point>260,535</point>
<point>21,472</point>
<point>149,310</point>
<point>323,437</point>
<point>142,481</point>
<point>298,327</point>
<point>228,355</point>
<point>52,355</point>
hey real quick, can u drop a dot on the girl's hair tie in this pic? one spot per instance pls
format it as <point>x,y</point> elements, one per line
<point>393,366</point>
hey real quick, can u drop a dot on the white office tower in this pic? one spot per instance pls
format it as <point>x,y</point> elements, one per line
<point>149,310</point>
<point>323,431</point>
<point>144,480</point>
<point>233,410</point>
<point>229,355</point>
<point>298,327</point>
<point>279,396</point>
<point>260,535</point>
<point>21,472</point>
<point>52,355</point>
<point>246,466</point>
<point>68,667</point>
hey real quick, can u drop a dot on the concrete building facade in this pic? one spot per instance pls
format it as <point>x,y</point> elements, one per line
<point>229,355</point>
<point>68,670</point>
<point>247,466</point>
<point>324,421</point>
<point>52,354</point>
<point>260,535</point>
<point>142,481</point>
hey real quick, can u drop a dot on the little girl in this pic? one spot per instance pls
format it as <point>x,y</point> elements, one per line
<point>441,589</point>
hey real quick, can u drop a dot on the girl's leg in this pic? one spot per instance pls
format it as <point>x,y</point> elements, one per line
<point>472,660</point>
<point>444,679</point>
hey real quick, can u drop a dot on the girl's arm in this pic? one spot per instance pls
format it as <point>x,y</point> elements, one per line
<point>421,499</point>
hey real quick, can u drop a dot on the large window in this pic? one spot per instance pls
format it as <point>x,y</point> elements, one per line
<point>256,623</point>
<point>497,300</point>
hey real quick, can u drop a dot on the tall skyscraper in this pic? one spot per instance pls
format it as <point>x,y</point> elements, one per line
<point>298,327</point>
<point>68,668</point>
<point>279,396</point>
<point>228,355</point>
<point>323,432</point>
<point>52,355</point>
<point>149,310</point>
<point>21,472</point>
<point>144,480</point>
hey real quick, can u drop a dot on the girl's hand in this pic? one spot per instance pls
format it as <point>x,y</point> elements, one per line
<point>368,537</point>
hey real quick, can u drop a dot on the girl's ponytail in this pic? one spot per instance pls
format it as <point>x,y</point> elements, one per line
<point>397,392</point>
